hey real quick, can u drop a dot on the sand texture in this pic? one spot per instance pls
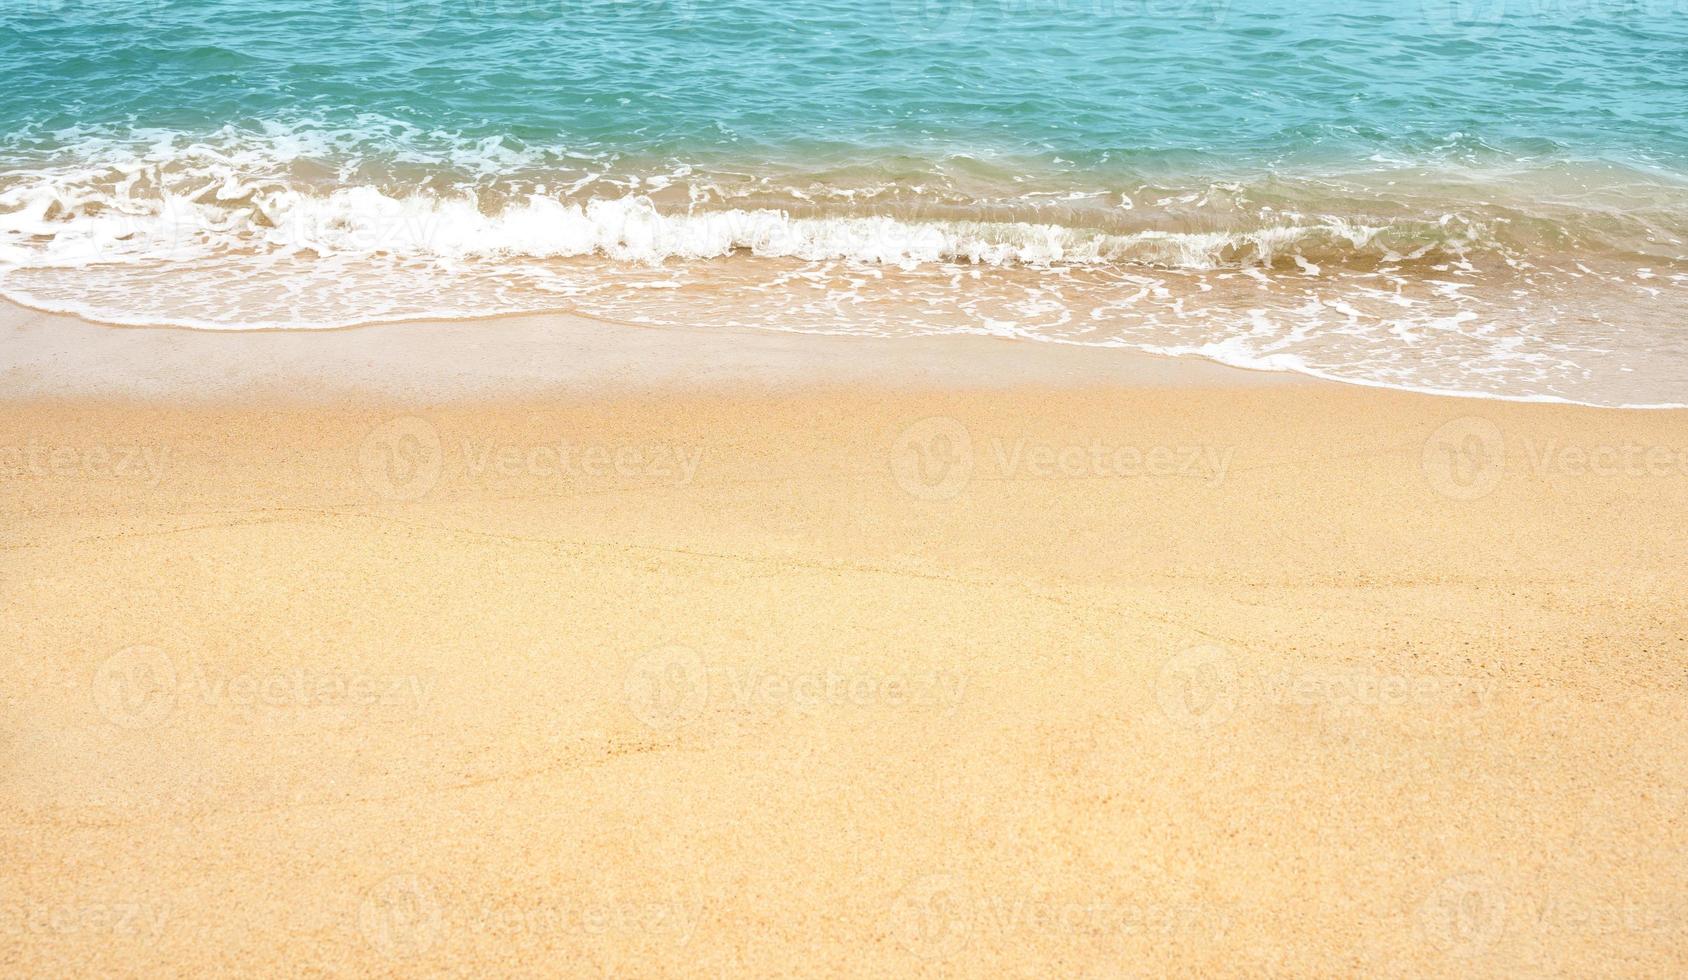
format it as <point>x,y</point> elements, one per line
<point>842,678</point>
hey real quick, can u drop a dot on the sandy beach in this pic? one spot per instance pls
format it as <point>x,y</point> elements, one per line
<point>543,646</point>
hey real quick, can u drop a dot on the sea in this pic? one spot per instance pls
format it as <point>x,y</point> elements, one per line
<point>1477,197</point>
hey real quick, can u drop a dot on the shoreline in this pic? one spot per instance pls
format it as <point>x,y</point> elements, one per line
<point>517,356</point>
<point>492,357</point>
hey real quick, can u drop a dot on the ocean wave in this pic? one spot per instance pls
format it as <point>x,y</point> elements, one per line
<point>1547,283</point>
<point>383,186</point>
<point>174,203</point>
<point>46,226</point>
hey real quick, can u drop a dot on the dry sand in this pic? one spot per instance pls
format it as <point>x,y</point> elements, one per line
<point>787,663</point>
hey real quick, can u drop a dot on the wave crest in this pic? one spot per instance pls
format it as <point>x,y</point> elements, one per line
<point>49,225</point>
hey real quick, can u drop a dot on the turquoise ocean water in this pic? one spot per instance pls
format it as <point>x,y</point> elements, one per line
<point>1485,196</point>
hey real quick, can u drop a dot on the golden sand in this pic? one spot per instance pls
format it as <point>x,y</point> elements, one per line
<point>843,678</point>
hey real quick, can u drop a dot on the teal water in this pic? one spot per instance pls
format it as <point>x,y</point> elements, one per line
<point>1187,84</point>
<point>1463,195</point>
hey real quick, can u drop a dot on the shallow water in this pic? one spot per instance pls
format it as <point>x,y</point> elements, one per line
<point>1488,198</point>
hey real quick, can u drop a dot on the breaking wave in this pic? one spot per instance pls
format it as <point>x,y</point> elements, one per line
<point>1552,282</point>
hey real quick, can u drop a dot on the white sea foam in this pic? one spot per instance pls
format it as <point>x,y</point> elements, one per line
<point>256,231</point>
<point>64,223</point>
